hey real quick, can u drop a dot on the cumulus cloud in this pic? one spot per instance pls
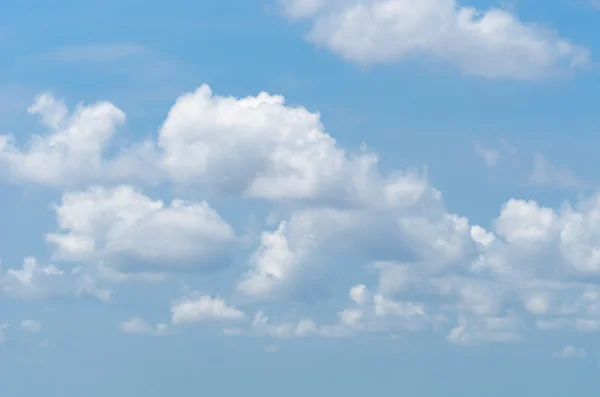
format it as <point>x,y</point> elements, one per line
<point>123,227</point>
<point>436,270</point>
<point>139,326</point>
<point>571,352</point>
<point>412,225</point>
<point>475,285</point>
<point>71,150</point>
<point>255,146</point>
<point>493,43</point>
<point>203,308</point>
<point>304,328</point>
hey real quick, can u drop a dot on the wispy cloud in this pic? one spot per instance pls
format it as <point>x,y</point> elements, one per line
<point>571,352</point>
<point>490,157</point>
<point>546,174</point>
<point>96,52</point>
<point>272,349</point>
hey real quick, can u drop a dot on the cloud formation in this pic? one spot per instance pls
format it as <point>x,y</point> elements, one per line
<point>493,43</point>
<point>435,270</point>
<point>124,228</point>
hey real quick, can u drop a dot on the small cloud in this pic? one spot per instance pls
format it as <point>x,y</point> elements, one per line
<point>490,157</point>
<point>571,352</point>
<point>139,326</point>
<point>198,307</point>
<point>232,331</point>
<point>510,148</point>
<point>545,174</point>
<point>31,326</point>
<point>96,52</point>
<point>272,349</point>
<point>3,328</point>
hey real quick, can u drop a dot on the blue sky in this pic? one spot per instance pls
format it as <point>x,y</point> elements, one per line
<point>299,198</point>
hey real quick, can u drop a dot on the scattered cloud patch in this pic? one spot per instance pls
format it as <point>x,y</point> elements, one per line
<point>272,349</point>
<point>31,326</point>
<point>33,281</point>
<point>305,328</point>
<point>571,352</point>
<point>490,157</point>
<point>139,326</point>
<point>545,174</point>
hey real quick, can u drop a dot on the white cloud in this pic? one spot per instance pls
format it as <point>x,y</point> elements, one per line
<point>404,218</point>
<point>494,43</point>
<point>198,308</point>
<point>490,157</point>
<point>435,269</point>
<point>571,352</point>
<point>122,226</point>
<point>139,326</point>
<point>256,146</point>
<point>482,330</point>
<point>33,281</point>
<point>31,326</point>
<point>545,174</point>
<point>304,328</point>
<point>73,149</point>
<point>359,294</point>
<point>272,349</point>
<point>533,265</point>
<point>3,328</point>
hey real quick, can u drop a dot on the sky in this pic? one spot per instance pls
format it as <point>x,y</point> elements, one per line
<point>299,198</point>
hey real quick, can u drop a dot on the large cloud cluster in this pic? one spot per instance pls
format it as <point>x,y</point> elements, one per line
<point>436,270</point>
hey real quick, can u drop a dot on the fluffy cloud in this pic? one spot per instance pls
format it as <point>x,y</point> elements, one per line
<point>73,148</point>
<point>491,44</point>
<point>406,221</point>
<point>125,228</point>
<point>139,326</point>
<point>199,308</point>
<point>302,329</point>
<point>436,270</point>
<point>256,146</point>
<point>378,313</point>
<point>31,326</point>
<point>474,285</point>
